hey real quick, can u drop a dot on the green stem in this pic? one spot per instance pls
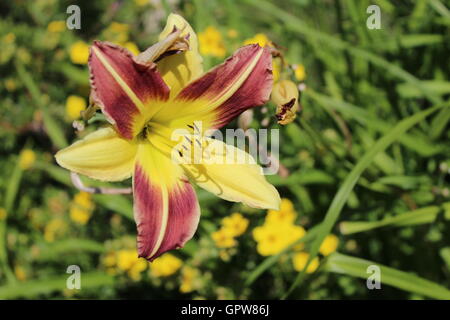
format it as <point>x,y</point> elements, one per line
<point>11,193</point>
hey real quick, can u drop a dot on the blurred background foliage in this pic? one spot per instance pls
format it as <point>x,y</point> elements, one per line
<point>365,164</point>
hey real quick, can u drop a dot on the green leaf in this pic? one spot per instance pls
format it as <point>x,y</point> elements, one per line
<point>303,177</point>
<point>422,146</point>
<point>445,254</point>
<point>356,267</point>
<point>80,76</point>
<point>438,87</point>
<point>59,174</point>
<point>54,131</point>
<point>439,123</point>
<point>71,246</point>
<point>346,188</point>
<point>10,195</point>
<point>416,40</point>
<point>291,22</point>
<point>439,7</point>
<point>36,288</point>
<point>405,182</point>
<point>117,203</point>
<point>415,217</point>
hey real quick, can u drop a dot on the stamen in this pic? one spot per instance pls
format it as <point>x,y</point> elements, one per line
<point>196,128</point>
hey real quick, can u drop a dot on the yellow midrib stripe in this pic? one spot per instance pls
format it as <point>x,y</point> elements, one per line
<point>241,78</point>
<point>165,219</point>
<point>165,207</point>
<point>119,80</point>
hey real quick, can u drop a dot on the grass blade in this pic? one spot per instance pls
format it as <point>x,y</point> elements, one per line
<point>344,191</point>
<point>294,24</point>
<point>54,131</point>
<point>69,246</point>
<point>356,267</point>
<point>35,288</point>
<point>419,216</point>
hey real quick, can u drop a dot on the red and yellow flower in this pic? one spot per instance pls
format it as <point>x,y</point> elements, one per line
<point>146,100</point>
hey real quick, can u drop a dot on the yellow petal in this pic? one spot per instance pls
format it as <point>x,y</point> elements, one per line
<point>329,245</point>
<point>235,180</point>
<point>101,155</point>
<point>300,259</point>
<point>179,69</point>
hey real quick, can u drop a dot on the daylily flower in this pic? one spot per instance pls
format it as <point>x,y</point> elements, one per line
<point>145,100</point>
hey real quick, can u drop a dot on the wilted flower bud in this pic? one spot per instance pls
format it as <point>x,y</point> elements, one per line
<point>285,96</point>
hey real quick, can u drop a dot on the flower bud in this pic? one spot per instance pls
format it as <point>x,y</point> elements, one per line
<point>285,96</point>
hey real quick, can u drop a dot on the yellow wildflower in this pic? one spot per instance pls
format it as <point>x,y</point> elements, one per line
<point>235,223</point>
<point>54,227</point>
<point>329,245</point>
<point>132,47</point>
<point>224,254</point>
<point>81,208</point>
<point>56,26</point>
<point>84,199</point>
<point>276,69</point>
<point>211,42</point>
<point>141,3</point>
<point>27,158</point>
<point>188,276</point>
<point>79,52</point>
<point>3,214</point>
<point>23,55</point>
<point>126,259</point>
<point>165,265</point>
<point>300,73</point>
<point>10,85</point>
<point>232,33</point>
<point>117,32</point>
<point>20,273</point>
<point>300,259</point>
<point>224,238</point>
<point>9,38</point>
<point>110,262</point>
<point>273,238</point>
<point>260,39</point>
<point>74,105</point>
<point>136,269</point>
<point>119,27</point>
<point>286,213</point>
<point>78,215</point>
<point>286,205</point>
<point>110,259</point>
